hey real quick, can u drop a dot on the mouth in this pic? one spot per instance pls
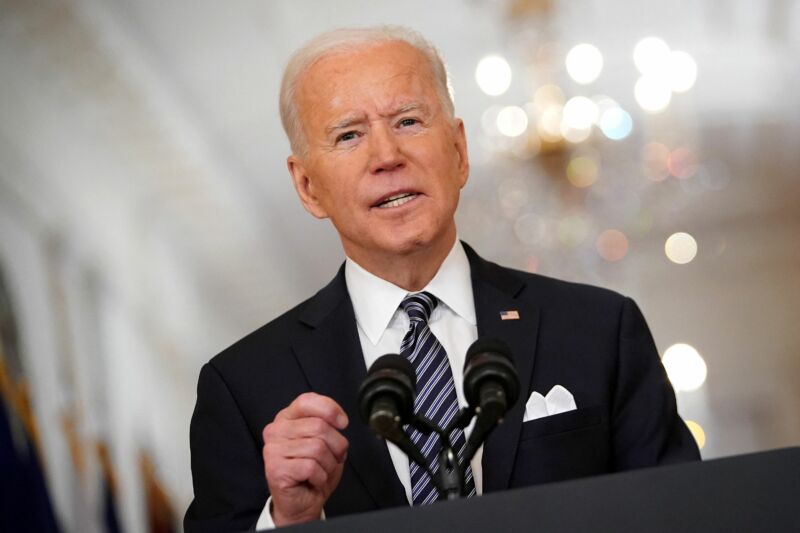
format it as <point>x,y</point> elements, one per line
<point>396,200</point>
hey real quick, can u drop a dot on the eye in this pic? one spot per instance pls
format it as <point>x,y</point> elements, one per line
<point>407,122</point>
<point>347,136</point>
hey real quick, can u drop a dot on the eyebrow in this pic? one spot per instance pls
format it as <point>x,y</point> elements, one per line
<point>346,122</point>
<point>351,120</point>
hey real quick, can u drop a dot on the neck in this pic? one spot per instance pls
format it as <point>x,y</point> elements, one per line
<point>411,271</point>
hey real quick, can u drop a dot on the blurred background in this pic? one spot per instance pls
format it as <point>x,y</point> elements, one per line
<point>147,219</point>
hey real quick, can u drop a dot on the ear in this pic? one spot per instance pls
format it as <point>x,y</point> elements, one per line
<point>460,138</point>
<point>305,187</point>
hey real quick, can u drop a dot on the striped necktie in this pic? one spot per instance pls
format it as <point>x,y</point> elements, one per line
<point>436,395</point>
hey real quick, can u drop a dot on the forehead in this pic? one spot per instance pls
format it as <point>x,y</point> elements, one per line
<point>380,76</point>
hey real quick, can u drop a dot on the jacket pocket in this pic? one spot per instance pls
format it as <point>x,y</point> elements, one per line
<point>562,422</point>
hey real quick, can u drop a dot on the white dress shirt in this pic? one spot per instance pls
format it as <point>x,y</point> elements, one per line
<point>382,324</point>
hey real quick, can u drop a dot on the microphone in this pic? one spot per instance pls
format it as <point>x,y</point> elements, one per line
<point>386,402</point>
<point>386,397</point>
<point>491,388</point>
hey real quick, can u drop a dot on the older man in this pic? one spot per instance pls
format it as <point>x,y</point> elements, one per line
<point>376,148</point>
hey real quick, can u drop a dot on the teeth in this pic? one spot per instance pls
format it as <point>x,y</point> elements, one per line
<point>398,200</point>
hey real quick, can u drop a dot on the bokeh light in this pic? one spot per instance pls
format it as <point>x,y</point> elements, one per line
<point>575,135</point>
<point>680,248</point>
<point>549,125</point>
<point>697,432</point>
<point>584,63</point>
<point>650,55</point>
<point>572,230</point>
<point>530,229</point>
<point>681,163</point>
<point>489,120</point>
<point>685,367</point>
<point>582,171</point>
<point>579,113</point>
<point>513,196</point>
<point>652,93</point>
<point>512,121</point>
<point>682,71</point>
<point>493,75</point>
<point>654,161</point>
<point>546,96</point>
<point>612,245</point>
<point>616,123</point>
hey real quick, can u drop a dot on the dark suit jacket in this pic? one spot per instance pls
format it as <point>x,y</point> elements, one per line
<point>592,341</point>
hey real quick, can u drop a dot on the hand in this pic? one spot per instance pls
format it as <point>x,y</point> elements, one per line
<point>304,456</point>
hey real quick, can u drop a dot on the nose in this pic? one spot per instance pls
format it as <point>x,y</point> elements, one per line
<point>385,151</point>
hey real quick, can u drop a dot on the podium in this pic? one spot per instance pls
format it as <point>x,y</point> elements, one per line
<point>757,492</point>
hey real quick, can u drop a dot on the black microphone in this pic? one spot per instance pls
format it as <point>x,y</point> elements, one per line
<point>491,388</point>
<point>386,397</point>
<point>386,402</point>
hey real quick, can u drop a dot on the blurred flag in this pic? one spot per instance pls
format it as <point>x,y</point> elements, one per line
<point>24,500</point>
<point>161,516</point>
<point>108,489</point>
<point>25,503</point>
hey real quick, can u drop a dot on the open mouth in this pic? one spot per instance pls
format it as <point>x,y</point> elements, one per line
<point>397,200</point>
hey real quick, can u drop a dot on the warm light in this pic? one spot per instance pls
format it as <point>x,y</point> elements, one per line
<point>572,230</point>
<point>681,163</point>
<point>612,245</point>
<point>682,71</point>
<point>652,93</point>
<point>697,432</point>
<point>493,75</point>
<point>512,121</point>
<point>549,126</point>
<point>685,367</point>
<point>579,113</point>
<point>680,248</point>
<point>584,63</point>
<point>651,55</point>
<point>654,161</point>
<point>582,171</point>
<point>616,123</point>
<point>548,95</point>
<point>577,117</point>
<point>575,135</point>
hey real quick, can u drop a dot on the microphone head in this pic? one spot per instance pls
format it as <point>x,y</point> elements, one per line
<point>489,361</point>
<point>390,387</point>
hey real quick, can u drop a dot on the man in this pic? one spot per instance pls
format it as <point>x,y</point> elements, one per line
<point>376,148</point>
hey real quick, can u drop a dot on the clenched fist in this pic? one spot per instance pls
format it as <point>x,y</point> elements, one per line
<point>304,455</point>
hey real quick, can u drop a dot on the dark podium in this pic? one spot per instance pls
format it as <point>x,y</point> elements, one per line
<point>756,492</point>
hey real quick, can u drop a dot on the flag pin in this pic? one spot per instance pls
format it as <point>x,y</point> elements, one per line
<point>512,314</point>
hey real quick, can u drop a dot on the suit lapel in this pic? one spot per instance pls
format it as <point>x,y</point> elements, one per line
<point>331,358</point>
<point>495,289</point>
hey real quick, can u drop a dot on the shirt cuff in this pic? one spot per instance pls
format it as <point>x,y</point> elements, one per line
<point>265,522</point>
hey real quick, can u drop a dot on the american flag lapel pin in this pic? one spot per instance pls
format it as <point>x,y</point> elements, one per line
<point>511,314</point>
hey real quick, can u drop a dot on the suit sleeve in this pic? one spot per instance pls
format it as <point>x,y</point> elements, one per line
<point>647,428</point>
<point>227,467</point>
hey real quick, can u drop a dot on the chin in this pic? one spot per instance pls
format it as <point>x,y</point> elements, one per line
<point>409,242</point>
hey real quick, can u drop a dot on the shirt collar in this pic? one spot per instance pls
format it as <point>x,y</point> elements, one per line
<point>375,300</point>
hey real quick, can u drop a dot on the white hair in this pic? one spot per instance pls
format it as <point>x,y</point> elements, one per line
<point>349,40</point>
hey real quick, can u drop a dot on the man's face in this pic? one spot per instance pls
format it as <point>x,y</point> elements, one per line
<point>384,160</point>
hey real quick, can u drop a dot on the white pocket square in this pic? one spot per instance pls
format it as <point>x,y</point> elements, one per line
<point>558,400</point>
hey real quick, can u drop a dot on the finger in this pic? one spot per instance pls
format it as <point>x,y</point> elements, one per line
<point>311,404</point>
<point>311,448</point>
<point>307,470</point>
<point>306,428</point>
